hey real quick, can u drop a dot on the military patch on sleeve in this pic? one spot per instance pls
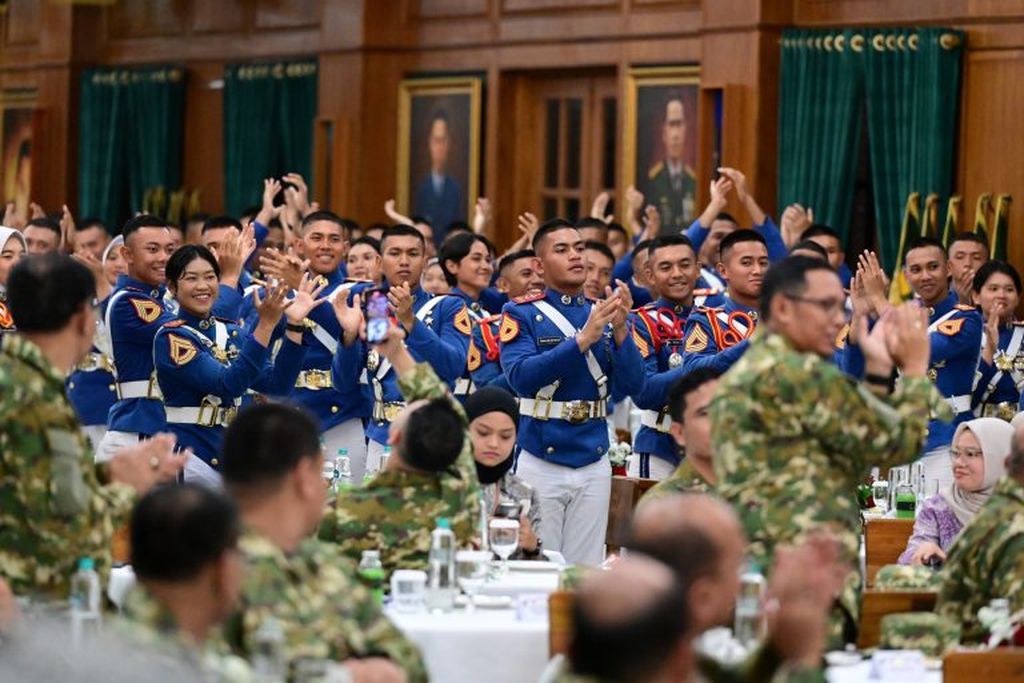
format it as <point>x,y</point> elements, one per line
<point>641,345</point>
<point>697,341</point>
<point>147,310</point>
<point>509,330</point>
<point>463,323</point>
<point>950,327</point>
<point>6,319</point>
<point>182,349</point>
<point>473,358</point>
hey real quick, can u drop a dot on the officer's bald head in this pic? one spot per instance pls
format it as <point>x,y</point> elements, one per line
<point>700,537</point>
<point>631,623</point>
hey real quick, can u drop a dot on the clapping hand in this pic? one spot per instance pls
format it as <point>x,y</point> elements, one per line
<point>652,222</point>
<point>400,300</point>
<point>907,339</point>
<point>305,299</point>
<point>601,315</point>
<point>528,225</point>
<point>874,280</point>
<point>272,305</point>
<point>287,267</point>
<point>599,208</point>
<point>992,322</point>
<point>67,229</point>
<point>350,316</point>
<point>481,215</point>
<point>298,196</point>
<point>795,220</point>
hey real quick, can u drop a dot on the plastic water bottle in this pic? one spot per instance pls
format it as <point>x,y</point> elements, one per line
<point>371,574</point>
<point>384,459</point>
<point>343,470</point>
<point>86,617</point>
<point>268,660</point>
<point>906,501</point>
<point>748,628</point>
<point>441,586</point>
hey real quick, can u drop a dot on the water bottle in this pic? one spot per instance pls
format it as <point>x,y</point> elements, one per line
<point>343,470</point>
<point>371,574</point>
<point>748,628</point>
<point>330,475</point>
<point>484,529</point>
<point>384,459</point>
<point>441,582</point>
<point>268,659</point>
<point>906,501</point>
<point>85,602</point>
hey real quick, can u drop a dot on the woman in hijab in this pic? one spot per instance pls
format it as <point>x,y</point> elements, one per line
<point>979,450</point>
<point>493,417</point>
<point>12,248</point>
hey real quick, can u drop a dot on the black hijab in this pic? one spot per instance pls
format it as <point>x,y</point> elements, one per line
<point>491,400</point>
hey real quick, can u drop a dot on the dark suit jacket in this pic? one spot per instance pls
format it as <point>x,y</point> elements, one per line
<point>441,209</point>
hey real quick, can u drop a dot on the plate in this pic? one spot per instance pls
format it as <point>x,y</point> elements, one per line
<point>843,658</point>
<point>486,601</point>
<point>532,566</point>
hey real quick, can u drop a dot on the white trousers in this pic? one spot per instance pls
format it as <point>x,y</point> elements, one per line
<point>113,442</point>
<point>198,472</point>
<point>349,436</point>
<point>573,504</point>
<point>937,465</point>
<point>647,466</point>
<point>95,434</point>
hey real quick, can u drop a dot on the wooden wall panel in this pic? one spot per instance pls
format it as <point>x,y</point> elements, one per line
<point>23,23</point>
<point>421,10</point>
<point>284,14</point>
<point>150,19</point>
<point>203,157</point>
<point>224,16</point>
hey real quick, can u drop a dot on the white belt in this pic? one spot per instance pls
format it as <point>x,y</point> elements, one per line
<point>143,388</point>
<point>206,416</point>
<point>959,404</point>
<point>575,412</point>
<point>464,386</point>
<point>656,420</point>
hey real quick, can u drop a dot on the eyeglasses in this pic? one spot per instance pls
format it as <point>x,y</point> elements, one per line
<point>967,453</point>
<point>827,306</point>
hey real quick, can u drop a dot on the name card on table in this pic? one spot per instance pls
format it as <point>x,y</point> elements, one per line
<point>897,666</point>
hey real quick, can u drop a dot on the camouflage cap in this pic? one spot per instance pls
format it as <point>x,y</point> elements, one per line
<point>906,578</point>
<point>925,631</point>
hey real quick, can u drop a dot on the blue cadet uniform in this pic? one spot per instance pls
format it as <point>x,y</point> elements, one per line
<point>204,366</point>
<point>135,312</point>
<point>997,386</point>
<point>658,334</point>
<point>464,385</point>
<point>563,430</point>
<point>440,337</point>
<point>716,336</point>
<point>484,357</point>
<point>91,385</point>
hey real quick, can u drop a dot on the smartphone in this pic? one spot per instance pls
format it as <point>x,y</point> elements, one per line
<point>376,317</point>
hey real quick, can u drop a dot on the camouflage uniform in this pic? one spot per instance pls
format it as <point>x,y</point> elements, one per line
<point>987,561</point>
<point>906,577</point>
<point>146,622</point>
<point>794,436</point>
<point>323,611</point>
<point>925,631</point>
<point>685,479</point>
<point>396,511</point>
<point>53,509</point>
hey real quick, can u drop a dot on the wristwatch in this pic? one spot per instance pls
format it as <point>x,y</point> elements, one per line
<point>292,327</point>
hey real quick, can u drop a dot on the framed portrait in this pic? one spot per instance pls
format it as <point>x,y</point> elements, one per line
<point>439,148</point>
<point>660,144</point>
<point>17,125</point>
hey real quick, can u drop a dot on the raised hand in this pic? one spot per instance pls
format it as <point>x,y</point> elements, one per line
<point>299,194</point>
<point>36,211</point>
<point>393,215</point>
<point>873,344</point>
<point>528,225</point>
<point>481,215</point>
<point>272,305</point>
<point>11,218</point>
<point>268,212</point>
<point>652,222</point>
<point>992,321</point>
<point>634,200</point>
<point>89,260</point>
<point>601,315</point>
<point>739,181</point>
<point>400,300</point>
<point>963,285</point>
<point>907,339</point>
<point>599,209</point>
<point>306,298</point>
<point>795,219</point>
<point>67,229</point>
<point>231,258</point>
<point>876,284</point>
<point>149,463</point>
<point>720,189</point>
<point>350,316</point>
<point>286,267</point>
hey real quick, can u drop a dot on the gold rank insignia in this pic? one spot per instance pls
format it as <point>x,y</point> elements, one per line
<point>840,342</point>
<point>463,323</point>
<point>641,345</point>
<point>697,341</point>
<point>473,359</point>
<point>509,329</point>
<point>147,310</point>
<point>182,350</point>
<point>1003,362</point>
<point>950,327</point>
<point>6,319</point>
<point>219,353</point>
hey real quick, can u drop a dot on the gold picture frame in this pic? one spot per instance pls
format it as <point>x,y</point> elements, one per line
<point>648,93</point>
<point>20,122</point>
<point>421,102</point>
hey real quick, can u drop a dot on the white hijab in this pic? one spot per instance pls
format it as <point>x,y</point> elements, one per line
<point>114,244</point>
<point>995,436</point>
<point>6,234</point>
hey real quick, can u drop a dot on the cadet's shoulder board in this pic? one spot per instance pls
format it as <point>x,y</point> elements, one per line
<point>697,341</point>
<point>964,307</point>
<point>841,337</point>
<point>491,319</point>
<point>641,345</point>
<point>950,327</point>
<point>6,319</point>
<point>182,350</point>
<point>174,323</point>
<point>509,329</point>
<point>147,309</point>
<point>527,298</point>
<point>463,323</point>
<point>473,359</point>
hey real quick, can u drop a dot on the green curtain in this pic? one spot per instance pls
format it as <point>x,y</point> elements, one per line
<point>912,85</point>
<point>819,125</point>
<point>906,81</point>
<point>269,110</point>
<point>130,138</point>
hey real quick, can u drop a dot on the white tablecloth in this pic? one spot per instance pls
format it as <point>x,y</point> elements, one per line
<point>488,645</point>
<point>861,673</point>
<point>518,583</point>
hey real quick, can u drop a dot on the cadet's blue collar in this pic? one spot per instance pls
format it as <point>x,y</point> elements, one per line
<point>672,306</point>
<point>560,299</point>
<point>205,323</point>
<point>157,292</point>
<point>945,305</point>
<point>463,294</point>
<point>334,278</point>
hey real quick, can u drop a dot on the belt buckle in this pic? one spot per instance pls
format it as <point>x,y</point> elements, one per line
<point>576,412</point>
<point>212,419</point>
<point>153,391</point>
<point>540,402</point>
<point>227,415</point>
<point>391,411</point>
<point>1006,410</point>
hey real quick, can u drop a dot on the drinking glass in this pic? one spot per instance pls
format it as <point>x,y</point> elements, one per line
<point>471,568</point>
<point>880,494</point>
<point>897,475</point>
<point>503,535</point>
<point>409,590</point>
